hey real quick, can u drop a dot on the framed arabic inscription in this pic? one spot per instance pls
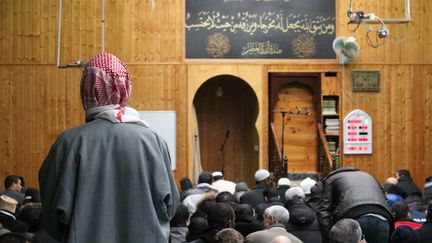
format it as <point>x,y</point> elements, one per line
<point>260,29</point>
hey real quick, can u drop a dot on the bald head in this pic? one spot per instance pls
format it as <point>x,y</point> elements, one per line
<point>281,239</point>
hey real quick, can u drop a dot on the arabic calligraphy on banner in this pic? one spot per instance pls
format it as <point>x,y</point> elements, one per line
<point>294,29</point>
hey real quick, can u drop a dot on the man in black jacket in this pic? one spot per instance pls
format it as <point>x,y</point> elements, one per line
<point>255,196</point>
<point>351,193</point>
<point>427,195</point>
<point>406,185</point>
<point>424,232</point>
<point>245,220</point>
<point>302,221</point>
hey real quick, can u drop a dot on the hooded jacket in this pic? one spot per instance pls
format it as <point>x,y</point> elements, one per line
<point>407,187</point>
<point>303,222</point>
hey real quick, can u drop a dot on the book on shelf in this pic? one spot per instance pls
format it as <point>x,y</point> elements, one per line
<point>329,107</point>
<point>332,132</point>
<point>332,122</point>
<point>331,126</point>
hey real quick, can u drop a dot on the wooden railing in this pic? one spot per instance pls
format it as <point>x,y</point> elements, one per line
<point>281,159</point>
<point>275,139</point>
<point>327,158</point>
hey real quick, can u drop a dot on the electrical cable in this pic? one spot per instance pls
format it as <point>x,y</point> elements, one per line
<point>355,29</point>
<point>377,43</point>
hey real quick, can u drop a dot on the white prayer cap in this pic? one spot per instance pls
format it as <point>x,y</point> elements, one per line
<point>217,173</point>
<point>307,184</point>
<point>284,182</point>
<point>392,180</point>
<point>261,175</point>
<point>294,191</point>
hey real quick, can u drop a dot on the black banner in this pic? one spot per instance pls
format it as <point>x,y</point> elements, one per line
<point>254,29</point>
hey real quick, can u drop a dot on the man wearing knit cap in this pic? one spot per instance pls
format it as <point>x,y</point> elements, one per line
<point>306,184</point>
<point>240,189</point>
<point>222,185</point>
<point>110,179</point>
<point>255,196</point>
<point>283,185</point>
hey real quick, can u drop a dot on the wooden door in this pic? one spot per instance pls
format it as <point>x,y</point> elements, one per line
<point>294,113</point>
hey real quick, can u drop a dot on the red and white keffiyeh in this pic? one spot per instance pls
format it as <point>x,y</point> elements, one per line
<point>105,81</point>
<point>105,90</point>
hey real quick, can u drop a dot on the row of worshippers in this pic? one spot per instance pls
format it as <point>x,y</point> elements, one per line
<point>21,213</point>
<point>304,213</point>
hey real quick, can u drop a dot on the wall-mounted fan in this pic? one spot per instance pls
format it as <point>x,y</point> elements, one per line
<point>347,48</point>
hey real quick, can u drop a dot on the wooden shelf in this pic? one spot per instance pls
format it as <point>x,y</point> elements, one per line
<point>332,122</point>
<point>327,115</point>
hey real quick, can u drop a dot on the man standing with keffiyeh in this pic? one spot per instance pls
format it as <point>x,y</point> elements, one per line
<point>108,180</point>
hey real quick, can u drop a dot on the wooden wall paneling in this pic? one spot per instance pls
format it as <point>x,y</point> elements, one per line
<point>151,33</point>
<point>23,132</point>
<point>45,33</point>
<point>33,31</point>
<point>74,111</point>
<point>415,37</point>
<point>331,85</point>
<point>147,87</point>
<point>39,146</point>
<point>410,36</point>
<point>22,29</point>
<point>140,23</point>
<point>170,38</point>
<point>5,26</point>
<point>179,76</point>
<point>331,65</point>
<point>16,39</point>
<point>6,121</point>
<point>67,32</point>
<point>396,119</point>
<point>264,109</point>
<point>163,87</point>
<point>155,87</point>
<point>373,103</point>
<point>80,30</point>
<point>396,111</point>
<point>50,36</point>
<point>170,27</point>
<point>15,124</point>
<point>419,123</point>
<point>127,34</point>
<point>35,44</point>
<point>421,152</point>
<point>382,136</point>
<point>427,116</point>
